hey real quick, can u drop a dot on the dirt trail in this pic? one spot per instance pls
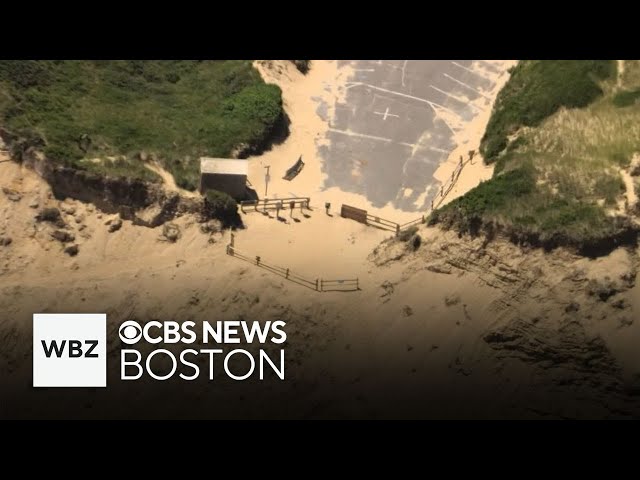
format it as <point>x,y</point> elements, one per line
<point>620,72</point>
<point>169,181</point>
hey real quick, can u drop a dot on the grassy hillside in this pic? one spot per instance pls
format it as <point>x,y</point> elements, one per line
<point>561,156</point>
<point>536,90</point>
<point>88,112</point>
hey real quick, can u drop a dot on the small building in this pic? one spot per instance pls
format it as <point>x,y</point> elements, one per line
<point>228,175</point>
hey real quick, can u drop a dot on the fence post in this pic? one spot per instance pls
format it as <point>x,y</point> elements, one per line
<point>316,284</point>
<point>232,242</point>
<point>287,273</point>
<point>397,229</point>
<point>257,260</point>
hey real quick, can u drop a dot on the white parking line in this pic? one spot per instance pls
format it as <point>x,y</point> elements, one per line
<point>466,86</point>
<point>458,99</point>
<point>440,150</point>
<point>449,126</point>
<point>468,69</point>
<point>404,66</point>
<point>370,137</point>
<point>430,103</point>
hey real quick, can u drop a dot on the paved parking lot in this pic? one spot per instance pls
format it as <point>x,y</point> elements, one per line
<point>398,123</point>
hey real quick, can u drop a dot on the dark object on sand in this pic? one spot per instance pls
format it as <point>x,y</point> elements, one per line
<point>295,170</point>
<point>63,236</point>
<point>71,250</point>
<point>51,215</point>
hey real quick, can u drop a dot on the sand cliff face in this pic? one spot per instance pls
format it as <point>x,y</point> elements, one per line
<point>143,203</point>
<point>456,328</point>
<point>446,327</point>
<point>565,319</point>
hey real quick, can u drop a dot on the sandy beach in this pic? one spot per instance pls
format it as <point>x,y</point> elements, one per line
<point>448,330</point>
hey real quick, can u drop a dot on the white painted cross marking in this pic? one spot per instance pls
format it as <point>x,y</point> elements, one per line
<point>386,114</point>
<point>433,105</point>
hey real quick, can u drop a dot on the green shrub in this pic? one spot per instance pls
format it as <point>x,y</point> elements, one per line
<point>406,235</point>
<point>25,73</point>
<point>494,194</point>
<point>221,206</point>
<point>176,110</point>
<point>626,98</point>
<point>536,90</point>
<point>609,187</point>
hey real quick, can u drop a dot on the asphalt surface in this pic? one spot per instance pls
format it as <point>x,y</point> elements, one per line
<point>387,139</point>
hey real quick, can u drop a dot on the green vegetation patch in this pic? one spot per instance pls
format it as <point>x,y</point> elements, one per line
<point>626,98</point>
<point>559,181</point>
<point>538,89</point>
<point>222,206</point>
<point>488,199</point>
<point>175,111</point>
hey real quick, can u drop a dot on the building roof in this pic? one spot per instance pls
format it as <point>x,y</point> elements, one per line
<point>224,166</point>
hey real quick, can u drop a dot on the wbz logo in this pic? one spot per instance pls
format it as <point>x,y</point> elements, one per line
<point>75,348</point>
<point>69,350</point>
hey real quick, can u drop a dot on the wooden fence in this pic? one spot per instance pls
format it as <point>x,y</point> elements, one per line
<point>317,284</point>
<point>364,217</point>
<point>339,285</point>
<point>354,213</point>
<point>275,204</point>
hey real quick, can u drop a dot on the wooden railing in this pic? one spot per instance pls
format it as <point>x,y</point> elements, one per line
<point>366,218</point>
<point>317,284</point>
<point>275,204</point>
<point>339,285</point>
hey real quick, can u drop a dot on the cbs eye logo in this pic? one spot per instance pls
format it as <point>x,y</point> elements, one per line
<point>130,332</point>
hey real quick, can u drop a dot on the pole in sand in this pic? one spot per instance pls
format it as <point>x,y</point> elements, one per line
<point>266,180</point>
